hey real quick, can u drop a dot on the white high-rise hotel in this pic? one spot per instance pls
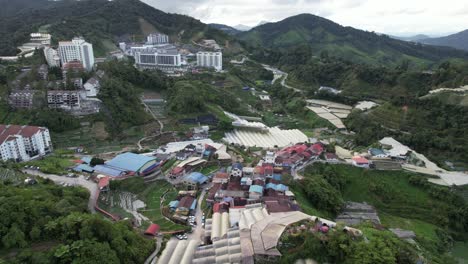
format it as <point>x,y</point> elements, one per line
<point>77,49</point>
<point>21,143</point>
<point>210,60</point>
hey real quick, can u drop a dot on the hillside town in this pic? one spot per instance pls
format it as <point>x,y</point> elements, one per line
<point>132,135</point>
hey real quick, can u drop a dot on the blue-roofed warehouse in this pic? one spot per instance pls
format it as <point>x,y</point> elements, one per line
<point>135,164</point>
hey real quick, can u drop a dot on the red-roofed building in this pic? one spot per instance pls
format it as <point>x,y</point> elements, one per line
<point>259,170</point>
<point>104,183</point>
<point>268,170</point>
<point>317,148</point>
<point>361,162</point>
<point>177,171</point>
<point>152,230</point>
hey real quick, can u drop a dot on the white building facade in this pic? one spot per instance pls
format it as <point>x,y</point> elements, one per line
<point>77,50</point>
<point>52,57</point>
<point>157,39</point>
<point>157,57</point>
<point>21,143</point>
<point>209,59</point>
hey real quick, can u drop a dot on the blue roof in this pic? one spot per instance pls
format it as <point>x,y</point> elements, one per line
<point>375,152</point>
<point>256,188</point>
<point>129,161</point>
<point>282,187</point>
<point>174,204</point>
<point>109,171</point>
<point>277,177</point>
<point>87,159</point>
<point>194,205</point>
<point>237,166</point>
<point>84,168</point>
<point>277,187</point>
<point>197,177</point>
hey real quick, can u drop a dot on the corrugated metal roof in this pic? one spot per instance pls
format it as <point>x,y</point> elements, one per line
<point>256,188</point>
<point>129,161</point>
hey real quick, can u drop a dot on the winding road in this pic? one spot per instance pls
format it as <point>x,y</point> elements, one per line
<point>161,125</point>
<point>278,74</point>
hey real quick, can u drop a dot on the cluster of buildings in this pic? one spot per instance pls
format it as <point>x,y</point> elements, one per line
<point>23,143</point>
<point>36,41</point>
<point>252,211</point>
<point>183,206</point>
<point>69,94</point>
<point>158,53</point>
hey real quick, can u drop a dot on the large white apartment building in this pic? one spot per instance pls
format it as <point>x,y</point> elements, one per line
<point>157,39</point>
<point>210,60</point>
<point>157,57</point>
<point>52,57</point>
<point>77,50</point>
<point>21,143</point>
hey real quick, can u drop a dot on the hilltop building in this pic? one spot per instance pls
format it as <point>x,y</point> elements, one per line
<point>164,57</point>
<point>210,60</point>
<point>157,39</point>
<point>22,143</point>
<point>77,50</point>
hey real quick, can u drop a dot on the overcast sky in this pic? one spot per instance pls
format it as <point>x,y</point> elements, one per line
<point>397,17</point>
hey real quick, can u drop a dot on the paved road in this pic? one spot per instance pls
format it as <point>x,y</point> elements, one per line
<point>199,231</point>
<point>80,181</point>
<point>280,75</point>
<point>153,259</point>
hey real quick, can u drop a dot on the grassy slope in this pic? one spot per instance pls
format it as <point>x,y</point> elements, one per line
<point>151,195</point>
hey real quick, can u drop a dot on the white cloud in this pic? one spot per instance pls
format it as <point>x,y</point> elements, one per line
<point>400,17</point>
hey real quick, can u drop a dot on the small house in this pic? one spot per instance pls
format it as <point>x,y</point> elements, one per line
<point>361,162</point>
<point>255,192</point>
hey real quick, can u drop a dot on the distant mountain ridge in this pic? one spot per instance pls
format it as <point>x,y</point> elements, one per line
<point>458,40</point>
<point>414,38</point>
<point>228,29</point>
<point>321,35</point>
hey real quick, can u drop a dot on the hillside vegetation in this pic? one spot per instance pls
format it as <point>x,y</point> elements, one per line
<point>403,200</point>
<point>100,21</point>
<point>47,223</point>
<point>322,35</point>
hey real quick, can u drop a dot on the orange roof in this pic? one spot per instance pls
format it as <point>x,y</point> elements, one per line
<point>360,160</point>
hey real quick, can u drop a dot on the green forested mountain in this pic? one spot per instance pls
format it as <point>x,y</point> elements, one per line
<point>458,40</point>
<point>100,22</point>
<point>361,46</point>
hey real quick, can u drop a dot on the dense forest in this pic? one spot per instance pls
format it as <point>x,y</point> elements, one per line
<point>120,93</point>
<point>47,223</point>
